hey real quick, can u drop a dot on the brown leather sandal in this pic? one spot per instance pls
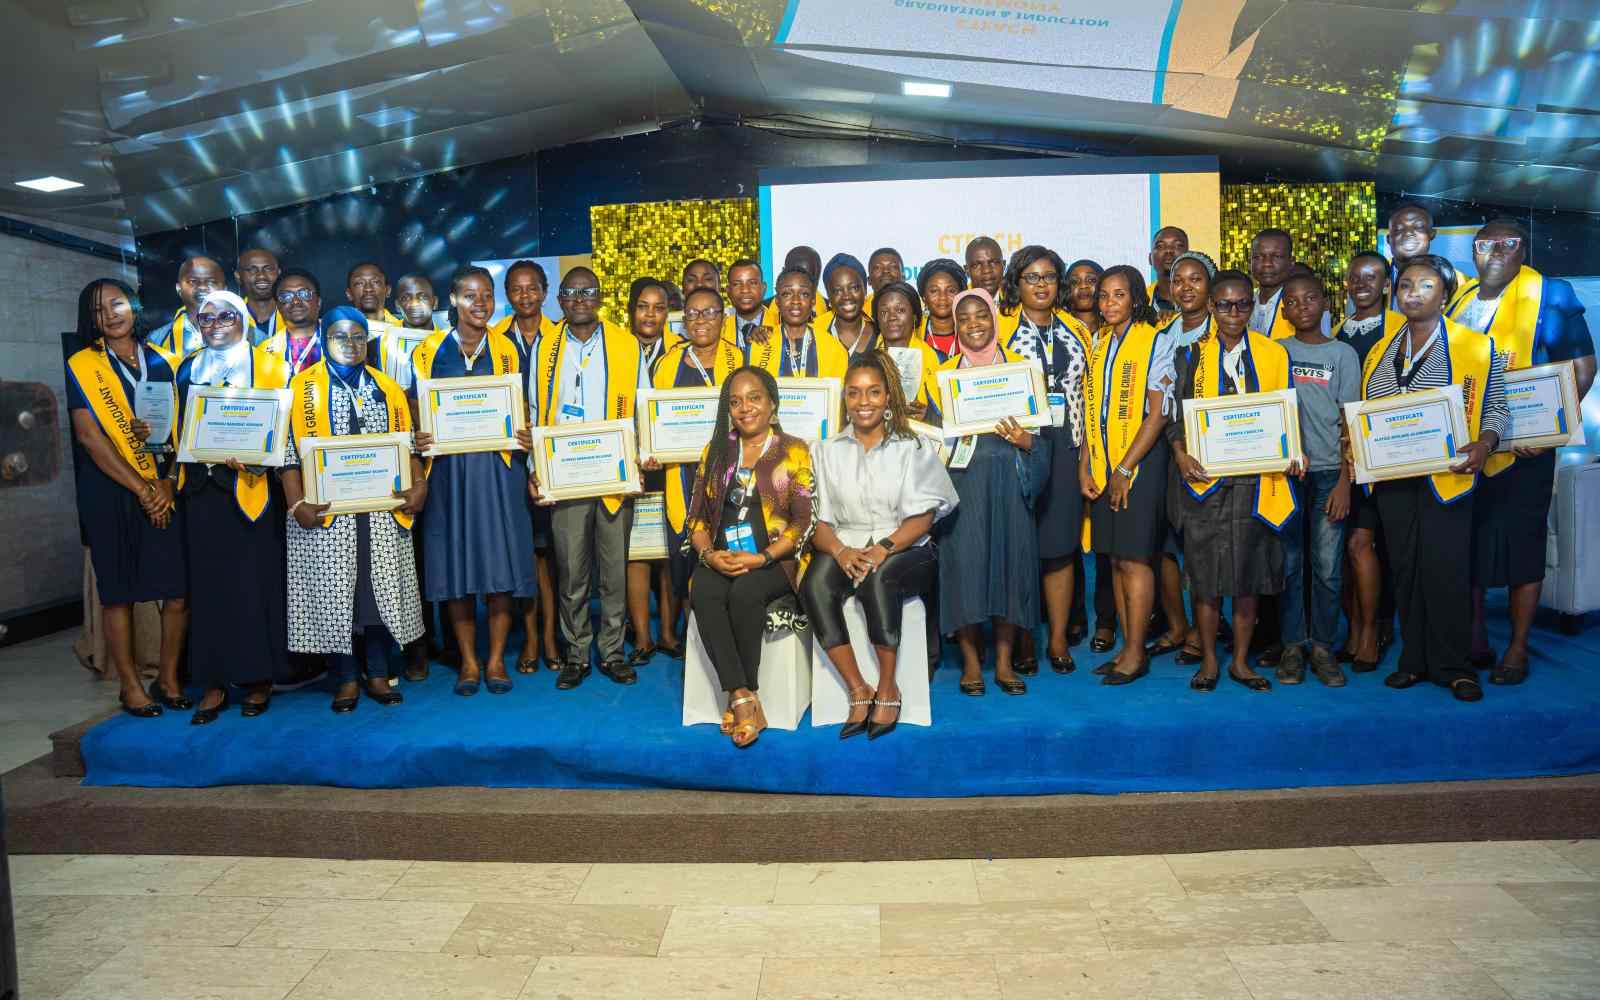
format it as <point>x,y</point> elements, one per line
<point>746,733</point>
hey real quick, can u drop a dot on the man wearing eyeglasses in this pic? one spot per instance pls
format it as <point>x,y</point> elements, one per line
<point>257,273</point>
<point>1533,320</point>
<point>585,373</point>
<point>299,298</point>
<point>197,278</point>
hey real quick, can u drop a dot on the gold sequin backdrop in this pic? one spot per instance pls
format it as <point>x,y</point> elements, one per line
<point>1330,223</point>
<point>657,238</point>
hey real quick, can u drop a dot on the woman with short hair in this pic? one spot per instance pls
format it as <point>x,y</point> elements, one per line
<point>897,313</point>
<point>647,314</point>
<point>938,283</point>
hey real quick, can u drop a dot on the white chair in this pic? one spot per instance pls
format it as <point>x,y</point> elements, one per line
<point>830,704</point>
<point>784,676</point>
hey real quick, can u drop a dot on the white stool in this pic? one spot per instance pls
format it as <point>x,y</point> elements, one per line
<point>831,701</point>
<point>784,676</point>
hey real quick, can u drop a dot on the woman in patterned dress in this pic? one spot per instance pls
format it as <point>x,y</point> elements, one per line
<point>350,574</point>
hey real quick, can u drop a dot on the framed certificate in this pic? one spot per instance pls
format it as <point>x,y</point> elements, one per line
<point>1415,434</point>
<point>974,400</point>
<point>472,413</point>
<point>676,424</point>
<point>398,343</point>
<point>935,437</point>
<point>1243,435</point>
<point>809,408</point>
<point>648,538</point>
<point>244,424</point>
<point>156,403</point>
<point>592,459</point>
<point>357,473</point>
<point>1544,407</point>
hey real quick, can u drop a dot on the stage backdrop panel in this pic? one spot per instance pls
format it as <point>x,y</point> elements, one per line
<point>656,238</point>
<point>1106,210</point>
<point>1330,223</point>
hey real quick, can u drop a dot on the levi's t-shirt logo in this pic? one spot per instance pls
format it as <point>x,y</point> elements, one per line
<point>1311,372</point>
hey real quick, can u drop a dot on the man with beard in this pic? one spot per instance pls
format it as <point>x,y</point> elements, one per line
<point>367,288</point>
<point>256,273</point>
<point>197,278</point>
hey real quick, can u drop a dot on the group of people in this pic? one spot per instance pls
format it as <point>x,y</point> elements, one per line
<point>995,540</point>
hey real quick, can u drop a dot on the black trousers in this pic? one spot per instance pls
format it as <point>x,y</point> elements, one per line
<point>905,574</point>
<point>731,613</point>
<point>1430,553</point>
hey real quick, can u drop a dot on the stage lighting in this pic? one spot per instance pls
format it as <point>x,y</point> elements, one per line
<point>50,185</point>
<point>914,88</point>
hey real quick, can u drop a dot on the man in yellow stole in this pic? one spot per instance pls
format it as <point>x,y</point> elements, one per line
<point>180,336</point>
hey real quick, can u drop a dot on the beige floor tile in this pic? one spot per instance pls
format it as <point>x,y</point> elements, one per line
<point>571,976</point>
<point>1177,974</point>
<point>48,971</point>
<point>991,928</point>
<point>1583,853</point>
<point>196,974</point>
<point>308,878</point>
<point>32,913</point>
<point>155,921</point>
<point>128,875</point>
<point>1487,862</point>
<point>1084,879</point>
<point>1554,969</point>
<point>29,868</point>
<point>965,977</point>
<point>1208,922</point>
<point>772,931</point>
<point>533,930</point>
<point>1572,906</point>
<point>369,975</point>
<point>877,882</point>
<point>680,885</point>
<point>358,925</point>
<point>1423,913</point>
<point>489,882</point>
<point>1287,870</point>
<point>1367,971</point>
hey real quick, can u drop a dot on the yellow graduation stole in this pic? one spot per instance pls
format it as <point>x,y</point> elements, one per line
<point>1269,362</point>
<point>1281,329</point>
<point>620,351</point>
<point>1010,323</point>
<point>832,359</point>
<point>547,327</point>
<point>822,327</point>
<point>819,310</point>
<point>309,393</point>
<point>1470,355</point>
<point>1514,330</point>
<point>173,344</point>
<point>502,354</point>
<point>267,371</point>
<point>727,362</point>
<point>1109,436</point>
<point>108,402</point>
<point>928,389</point>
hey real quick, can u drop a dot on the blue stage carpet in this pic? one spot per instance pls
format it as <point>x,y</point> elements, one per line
<point>1068,734</point>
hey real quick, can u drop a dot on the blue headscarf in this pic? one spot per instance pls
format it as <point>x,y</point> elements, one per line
<point>339,314</point>
<point>839,260</point>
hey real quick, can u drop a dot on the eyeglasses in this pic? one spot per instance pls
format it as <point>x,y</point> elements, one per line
<point>1232,305</point>
<point>1485,247</point>
<point>288,295</point>
<point>580,293</point>
<point>690,315</point>
<point>225,317</point>
<point>1037,278</point>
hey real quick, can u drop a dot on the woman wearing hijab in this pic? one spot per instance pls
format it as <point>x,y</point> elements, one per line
<point>897,313</point>
<point>748,522</point>
<point>1123,471</point>
<point>128,511</point>
<point>844,281</point>
<point>1035,326</point>
<point>350,574</point>
<point>989,564</point>
<point>1230,525</point>
<point>238,633</point>
<point>477,537</point>
<point>1427,520</point>
<point>938,283</point>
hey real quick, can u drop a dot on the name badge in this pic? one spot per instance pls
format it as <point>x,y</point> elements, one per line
<point>571,412</point>
<point>1058,408</point>
<point>740,538</point>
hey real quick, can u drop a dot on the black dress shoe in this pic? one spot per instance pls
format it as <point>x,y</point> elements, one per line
<point>973,689</point>
<point>1100,645</point>
<point>1200,682</point>
<point>1104,668</point>
<point>1251,683</point>
<point>251,709</point>
<point>572,674</point>
<point>1401,679</point>
<point>1028,667</point>
<point>1063,664</point>
<point>149,711</point>
<point>1117,679</point>
<point>178,702</point>
<point>1076,634</point>
<point>344,706</point>
<point>206,716</point>
<point>1011,687</point>
<point>619,671</point>
<point>387,697</point>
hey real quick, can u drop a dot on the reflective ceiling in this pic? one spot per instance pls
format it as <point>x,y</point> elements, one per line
<point>173,112</point>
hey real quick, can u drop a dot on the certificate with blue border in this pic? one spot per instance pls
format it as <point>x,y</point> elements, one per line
<point>356,473</point>
<point>1413,434</point>
<point>248,425</point>
<point>1243,435</point>
<point>974,400</point>
<point>595,458</point>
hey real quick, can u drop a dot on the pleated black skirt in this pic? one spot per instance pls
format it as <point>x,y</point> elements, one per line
<point>1140,531</point>
<point>238,601</point>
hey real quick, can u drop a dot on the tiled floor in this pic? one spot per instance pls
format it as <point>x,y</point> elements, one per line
<point>42,689</point>
<point>1413,922</point>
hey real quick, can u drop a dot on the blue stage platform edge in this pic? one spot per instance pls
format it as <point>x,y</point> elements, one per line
<point>1067,734</point>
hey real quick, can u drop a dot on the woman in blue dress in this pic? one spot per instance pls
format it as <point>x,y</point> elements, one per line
<point>989,548</point>
<point>477,537</point>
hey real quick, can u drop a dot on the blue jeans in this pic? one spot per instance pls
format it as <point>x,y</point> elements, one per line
<point>1327,563</point>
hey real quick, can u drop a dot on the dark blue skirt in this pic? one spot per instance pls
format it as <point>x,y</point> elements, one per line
<point>133,559</point>
<point>477,536</point>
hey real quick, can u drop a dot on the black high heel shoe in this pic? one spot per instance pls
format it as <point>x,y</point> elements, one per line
<point>1100,645</point>
<point>252,709</point>
<point>1063,664</point>
<point>1027,667</point>
<point>178,702</point>
<point>386,697</point>
<point>206,716</point>
<point>849,728</point>
<point>877,729</point>
<point>1116,678</point>
<point>1011,686</point>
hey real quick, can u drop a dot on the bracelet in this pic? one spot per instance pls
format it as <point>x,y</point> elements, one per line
<point>766,559</point>
<point>701,555</point>
<point>1126,473</point>
<point>296,506</point>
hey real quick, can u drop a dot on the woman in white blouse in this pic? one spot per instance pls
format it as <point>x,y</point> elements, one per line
<point>880,487</point>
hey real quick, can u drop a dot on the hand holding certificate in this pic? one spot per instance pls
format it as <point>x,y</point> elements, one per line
<point>676,424</point>
<point>975,400</point>
<point>1415,434</point>
<point>357,473</point>
<point>156,404</point>
<point>1243,435</point>
<point>246,425</point>
<point>592,459</point>
<point>473,413</point>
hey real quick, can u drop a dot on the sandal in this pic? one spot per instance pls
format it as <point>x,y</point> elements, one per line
<point>974,689</point>
<point>1162,646</point>
<point>1200,682</point>
<point>1189,657</point>
<point>849,728</point>
<point>641,655</point>
<point>528,665</point>
<point>746,733</point>
<point>1401,679</point>
<point>1466,689</point>
<point>1507,673</point>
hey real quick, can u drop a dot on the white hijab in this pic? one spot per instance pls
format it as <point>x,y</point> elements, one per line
<point>213,365</point>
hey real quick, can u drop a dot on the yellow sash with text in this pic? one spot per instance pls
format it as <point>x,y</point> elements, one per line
<point>108,402</point>
<point>1109,436</point>
<point>1269,362</point>
<point>1514,330</point>
<point>267,371</point>
<point>832,359</point>
<point>308,393</point>
<point>621,351</point>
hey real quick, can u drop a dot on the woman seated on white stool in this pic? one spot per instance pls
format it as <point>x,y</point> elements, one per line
<point>880,487</point>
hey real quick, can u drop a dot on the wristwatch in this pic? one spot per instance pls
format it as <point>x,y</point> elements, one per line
<point>766,558</point>
<point>887,543</point>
